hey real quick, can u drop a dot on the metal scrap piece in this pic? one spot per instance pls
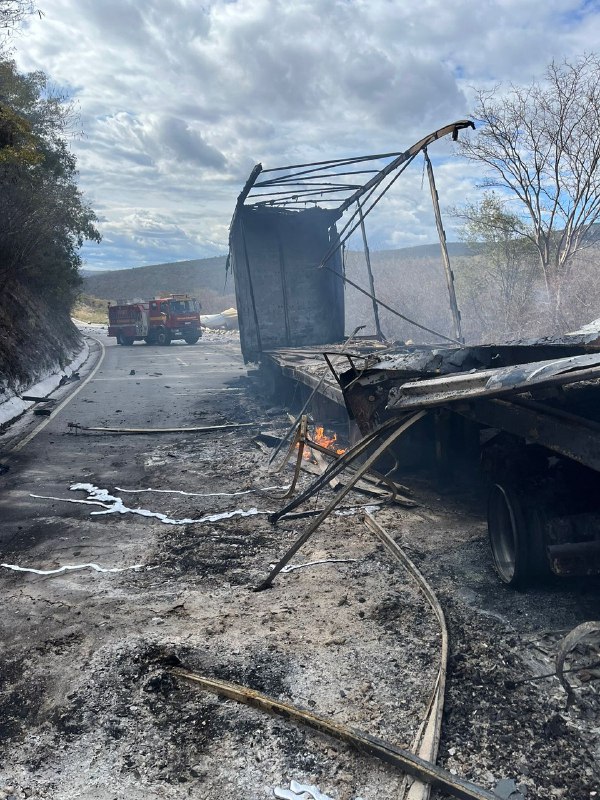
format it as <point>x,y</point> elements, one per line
<point>507,789</point>
<point>363,742</point>
<point>571,641</point>
<point>493,382</point>
<point>147,431</point>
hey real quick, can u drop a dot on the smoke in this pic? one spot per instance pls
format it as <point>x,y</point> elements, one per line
<point>493,307</point>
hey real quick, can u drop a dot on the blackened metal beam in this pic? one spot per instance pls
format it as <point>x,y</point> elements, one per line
<point>445,257</point>
<point>453,129</point>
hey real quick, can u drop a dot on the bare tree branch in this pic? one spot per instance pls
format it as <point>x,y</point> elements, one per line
<point>541,144</point>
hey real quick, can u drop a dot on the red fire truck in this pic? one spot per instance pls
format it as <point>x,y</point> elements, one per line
<point>157,321</point>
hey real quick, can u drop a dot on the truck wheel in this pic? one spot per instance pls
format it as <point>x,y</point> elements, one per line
<point>163,337</point>
<point>191,339</point>
<point>507,535</point>
<point>128,340</point>
<point>517,536</point>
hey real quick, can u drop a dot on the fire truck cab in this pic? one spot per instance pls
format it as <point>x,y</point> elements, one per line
<point>157,321</point>
<point>174,317</point>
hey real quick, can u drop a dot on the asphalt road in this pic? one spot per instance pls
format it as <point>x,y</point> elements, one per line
<point>130,387</point>
<point>88,707</point>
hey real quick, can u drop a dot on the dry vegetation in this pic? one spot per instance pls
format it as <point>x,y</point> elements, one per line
<point>203,278</point>
<point>415,286</point>
<point>35,340</point>
<point>90,309</point>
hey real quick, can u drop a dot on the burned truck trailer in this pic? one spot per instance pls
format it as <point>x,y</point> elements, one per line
<point>523,414</point>
<point>286,253</point>
<point>521,419</point>
<point>285,298</point>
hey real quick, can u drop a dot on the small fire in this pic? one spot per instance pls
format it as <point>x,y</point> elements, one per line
<point>320,437</point>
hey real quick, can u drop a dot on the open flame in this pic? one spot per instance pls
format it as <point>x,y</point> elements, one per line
<point>320,437</point>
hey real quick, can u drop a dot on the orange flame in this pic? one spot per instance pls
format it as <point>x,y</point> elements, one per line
<point>320,437</point>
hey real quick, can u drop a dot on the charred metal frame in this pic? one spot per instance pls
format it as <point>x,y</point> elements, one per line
<point>338,185</point>
<point>532,420</point>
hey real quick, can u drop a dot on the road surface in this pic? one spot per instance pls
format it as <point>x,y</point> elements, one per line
<point>130,387</point>
<point>88,706</point>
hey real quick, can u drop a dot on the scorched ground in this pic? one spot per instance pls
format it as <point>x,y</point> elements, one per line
<point>88,706</point>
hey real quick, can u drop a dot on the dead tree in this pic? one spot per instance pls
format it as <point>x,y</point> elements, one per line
<point>541,143</point>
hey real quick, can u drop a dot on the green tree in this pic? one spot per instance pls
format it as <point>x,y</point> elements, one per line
<point>541,145</point>
<point>44,218</point>
<point>498,280</point>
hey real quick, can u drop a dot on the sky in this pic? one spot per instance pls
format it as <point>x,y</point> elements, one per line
<point>179,99</point>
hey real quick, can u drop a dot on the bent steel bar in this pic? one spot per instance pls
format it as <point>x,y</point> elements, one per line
<point>148,431</point>
<point>453,129</point>
<point>389,440</point>
<point>428,738</point>
<point>363,742</point>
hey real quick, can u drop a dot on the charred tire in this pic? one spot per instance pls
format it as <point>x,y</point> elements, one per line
<point>507,535</point>
<point>517,536</point>
<point>163,337</point>
<point>191,339</point>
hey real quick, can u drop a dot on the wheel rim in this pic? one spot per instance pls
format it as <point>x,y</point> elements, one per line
<point>502,526</point>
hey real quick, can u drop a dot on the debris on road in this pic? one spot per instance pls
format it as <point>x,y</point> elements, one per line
<point>365,743</point>
<point>571,641</point>
<point>89,706</point>
<point>202,494</point>
<point>34,399</point>
<point>70,568</point>
<point>147,431</point>
<point>293,567</point>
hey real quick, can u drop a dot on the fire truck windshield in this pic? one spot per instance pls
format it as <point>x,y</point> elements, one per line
<point>182,306</point>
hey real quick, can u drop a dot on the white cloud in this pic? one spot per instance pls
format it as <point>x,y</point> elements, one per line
<point>179,100</point>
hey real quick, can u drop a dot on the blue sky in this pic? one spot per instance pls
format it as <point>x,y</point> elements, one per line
<point>179,99</point>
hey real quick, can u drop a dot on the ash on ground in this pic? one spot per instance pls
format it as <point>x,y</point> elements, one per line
<point>89,706</point>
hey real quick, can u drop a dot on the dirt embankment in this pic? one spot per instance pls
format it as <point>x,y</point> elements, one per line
<point>36,340</point>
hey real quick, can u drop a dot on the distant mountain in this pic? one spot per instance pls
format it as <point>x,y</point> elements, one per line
<point>422,251</point>
<point>179,277</point>
<point>200,274</point>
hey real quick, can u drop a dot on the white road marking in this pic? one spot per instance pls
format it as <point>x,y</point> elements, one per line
<point>68,399</point>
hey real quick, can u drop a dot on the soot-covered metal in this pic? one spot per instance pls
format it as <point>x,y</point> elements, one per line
<point>283,298</point>
<point>526,415</point>
<point>286,252</point>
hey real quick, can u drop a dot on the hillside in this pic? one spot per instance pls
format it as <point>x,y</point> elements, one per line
<point>203,277</point>
<point>198,275</point>
<point>410,280</point>
<point>36,340</point>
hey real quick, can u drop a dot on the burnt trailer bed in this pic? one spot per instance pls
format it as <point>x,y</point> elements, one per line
<point>524,414</point>
<point>527,415</point>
